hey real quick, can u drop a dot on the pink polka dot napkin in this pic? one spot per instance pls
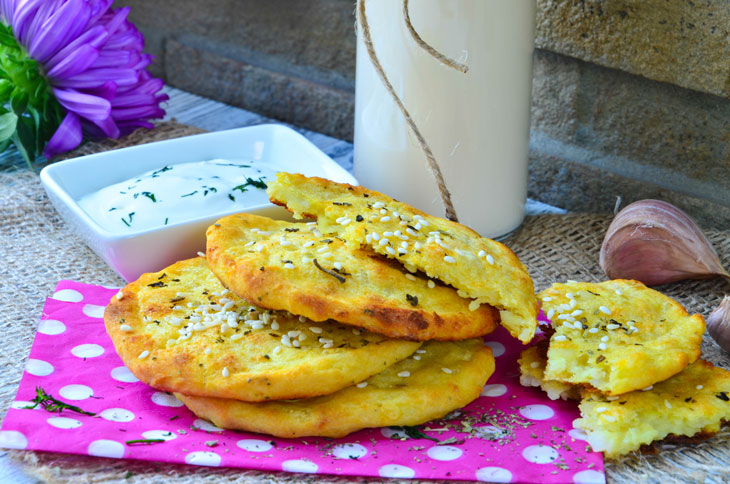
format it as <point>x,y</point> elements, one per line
<point>510,434</point>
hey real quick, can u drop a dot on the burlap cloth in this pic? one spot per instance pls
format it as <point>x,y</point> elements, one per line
<point>37,249</point>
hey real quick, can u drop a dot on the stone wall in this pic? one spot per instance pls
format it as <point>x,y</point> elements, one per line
<point>630,97</point>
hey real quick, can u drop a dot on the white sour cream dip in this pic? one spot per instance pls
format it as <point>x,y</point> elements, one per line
<point>178,193</point>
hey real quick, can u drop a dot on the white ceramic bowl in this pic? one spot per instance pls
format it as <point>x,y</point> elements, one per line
<point>131,254</point>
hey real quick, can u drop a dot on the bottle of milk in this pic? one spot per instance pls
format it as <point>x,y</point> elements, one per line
<point>476,123</point>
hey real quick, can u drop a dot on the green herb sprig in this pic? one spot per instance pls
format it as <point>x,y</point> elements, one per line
<point>52,404</point>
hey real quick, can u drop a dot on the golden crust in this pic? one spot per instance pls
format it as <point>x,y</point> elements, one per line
<point>482,268</point>
<point>606,353</point>
<point>694,403</point>
<point>239,362</point>
<point>281,265</point>
<point>388,399</point>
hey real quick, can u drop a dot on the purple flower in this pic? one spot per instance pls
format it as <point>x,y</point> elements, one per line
<point>90,55</point>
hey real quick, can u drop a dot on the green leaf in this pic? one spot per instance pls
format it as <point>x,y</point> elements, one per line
<point>24,139</point>
<point>18,101</point>
<point>8,122</point>
<point>6,38</point>
<point>6,87</point>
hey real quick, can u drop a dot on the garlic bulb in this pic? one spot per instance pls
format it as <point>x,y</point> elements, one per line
<point>718,324</point>
<point>655,242</point>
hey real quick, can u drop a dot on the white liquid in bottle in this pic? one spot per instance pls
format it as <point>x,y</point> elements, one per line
<point>477,124</point>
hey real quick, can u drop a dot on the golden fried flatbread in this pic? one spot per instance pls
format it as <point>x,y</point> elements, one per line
<point>532,364</point>
<point>480,268</point>
<point>617,336</point>
<point>290,266</point>
<point>180,330</point>
<point>694,403</point>
<point>446,376</point>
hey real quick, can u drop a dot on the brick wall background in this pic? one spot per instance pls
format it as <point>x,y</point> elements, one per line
<point>630,97</point>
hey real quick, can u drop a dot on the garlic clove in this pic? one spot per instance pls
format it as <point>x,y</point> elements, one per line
<point>718,324</point>
<point>655,242</point>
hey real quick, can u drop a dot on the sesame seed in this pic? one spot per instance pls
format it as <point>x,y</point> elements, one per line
<point>295,343</point>
<point>236,337</point>
<point>490,259</point>
<point>613,326</point>
<point>601,409</point>
<point>345,221</point>
<point>577,312</point>
<point>337,266</point>
<point>404,245</point>
<point>481,253</point>
<point>647,388</point>
<point>249,244</point>
<point>225,371</point>
<point>288,265</point>
<point>609,418</point>
<point>362,384</point>
<point>604,310</point>
<point>613,398</point>
<point>327,254</point>
<point>431,284</point>
<point>143,355</point>
<point>602,346</point>
<point>449,259</point>
<point>275,326</point>
<point>474,305</point>
<point>276,350</point>
<point>383,242</point>
<point>259,248</point>
<point>418,226</point>
<point>369,238</point>
<point>416,357</point>
<point>207,351</point>
<point>376,236</point>
<point>547,299</point>
<point>388,234</point>
<point>573,303</point>
<point>560,337</point>
<point>385,219</point>
<point>420,351</point>
<point>593,330</point>
<point>175,321</point>
<point>411,277</point>
<point>119,296</point>
<point>383,211</point>
<point>201,254</point>
<point>402,251</point>
<point>315,329</point>
<point>550,314</point>
<point>390,250</point>
<point>404,374</point>
<point>447,370</point>
<point>604,338</point>
<point>125,327</point>
<point>378,205</point>
<point>322,249</point>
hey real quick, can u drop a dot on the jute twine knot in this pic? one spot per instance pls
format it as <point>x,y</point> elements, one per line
<point>431,159</point>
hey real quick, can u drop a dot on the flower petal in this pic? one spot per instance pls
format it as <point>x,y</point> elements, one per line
<point>117,58</point>
<point>107,126</point>
<point>96,77</point>
<point>67,137</point>
<point>108,90</point>
<point>23,17</point>
<point>71,18</point>
<point>137,112</point>
<point>90,107</point>
<point>94,37</point>
<point>76,63</point>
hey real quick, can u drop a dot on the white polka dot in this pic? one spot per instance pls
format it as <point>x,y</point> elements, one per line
<point>496,390</point>
<point>12,439</point>
<point>444,452</point>
<point>68,295</point>
<point>122,373</point>
<point>395,470</point>
<point>21,404</point>
<point>349,451</point>
<point>537,412</point>
<point>106,448</point>
<point>254,445</point>
<point>51,327</point>
<point>489,432</point>
<point>117,415</point>
<point>76,392</point>
<point>63,422</point>
<point>497,347</point>
<point>578,434</point>
<point>203,458</point>
<point>589,477</point>
<point>90,350</point>
<point>93,310</point>
<point>166,400</point>
<point>389,433</point>
<point>540,454</point>
<point>299,465</point>
<point>493,474</point>
<point>205,425</point>
<point>38,367</point>
<point>159,434</point>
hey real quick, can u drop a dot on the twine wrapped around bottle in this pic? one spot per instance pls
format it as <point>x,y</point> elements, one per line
<point>432,164</point>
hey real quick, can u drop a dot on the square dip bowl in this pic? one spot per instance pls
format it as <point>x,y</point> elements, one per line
<point>132,252</point>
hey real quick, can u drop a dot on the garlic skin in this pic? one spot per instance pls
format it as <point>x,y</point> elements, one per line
<point>718,324</point>
<point>655,242</point>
